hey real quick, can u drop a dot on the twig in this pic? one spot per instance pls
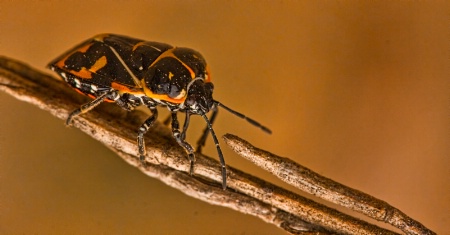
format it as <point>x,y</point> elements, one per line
<point>117,130</point>
<point>325,188</point>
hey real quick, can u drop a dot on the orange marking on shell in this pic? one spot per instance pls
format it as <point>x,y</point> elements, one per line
<point>126,89</point>
<point>60,64</point>
<point>100,63</point>
<point>83,73</point>
<point>87,73</point>
<point>169,53</point>
<point>120,87</point>
<point>79,91</point>
<point>167,98</point>
<point>138,45</point>
<point>84,48</point>
<point>188,68</point>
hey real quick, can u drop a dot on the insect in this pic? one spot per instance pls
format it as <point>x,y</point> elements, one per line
<point>133,72</point>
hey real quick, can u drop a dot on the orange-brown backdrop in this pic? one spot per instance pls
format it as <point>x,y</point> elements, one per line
<point>355,90</point>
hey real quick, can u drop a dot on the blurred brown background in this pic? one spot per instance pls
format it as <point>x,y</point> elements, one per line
<point>357,91</point>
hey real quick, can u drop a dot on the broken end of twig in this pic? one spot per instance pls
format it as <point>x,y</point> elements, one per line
<point>233,141</point>
<point>325,188</point>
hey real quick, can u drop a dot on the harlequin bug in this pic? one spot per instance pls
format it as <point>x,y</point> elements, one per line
<point>133,72</point>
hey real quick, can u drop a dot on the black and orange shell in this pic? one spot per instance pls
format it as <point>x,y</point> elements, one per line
<point>156,70</point>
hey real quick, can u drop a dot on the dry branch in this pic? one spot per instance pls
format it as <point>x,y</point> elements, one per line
<point>325,188</point>
<point>166,160</point>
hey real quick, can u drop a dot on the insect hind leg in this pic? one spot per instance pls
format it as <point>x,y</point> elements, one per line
<point>141,132</point>
<point>89,106</point>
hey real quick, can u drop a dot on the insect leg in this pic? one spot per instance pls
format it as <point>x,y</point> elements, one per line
<point>186,125</point>
<point>201,142</point>
<point>88,106</point>
<point>219,151</point>
<point>179,137</point>
<point>124,102</point>
<point>141,132</point>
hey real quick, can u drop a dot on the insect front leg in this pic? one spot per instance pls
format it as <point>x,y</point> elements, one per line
<point>202,140</point>
<point>186,125</point>
<point>180,139</point>
<point>88,106</point>
<point>141,132</point>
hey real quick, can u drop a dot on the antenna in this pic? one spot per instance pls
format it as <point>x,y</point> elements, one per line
<point>251,121</point>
